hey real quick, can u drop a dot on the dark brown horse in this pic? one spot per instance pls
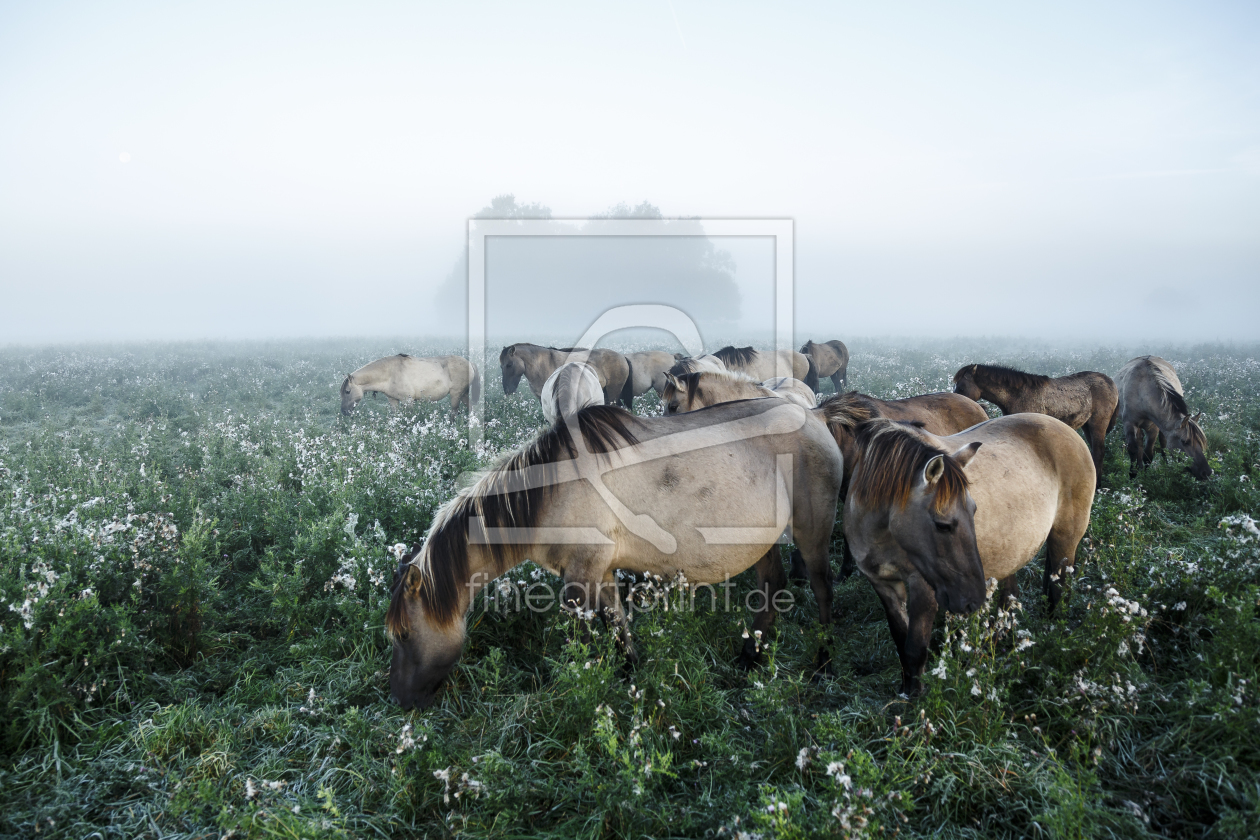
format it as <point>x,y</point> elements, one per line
<point>1085,400</point>
<point>830,358</point>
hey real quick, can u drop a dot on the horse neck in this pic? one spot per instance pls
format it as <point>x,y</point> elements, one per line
<point>997,394</point>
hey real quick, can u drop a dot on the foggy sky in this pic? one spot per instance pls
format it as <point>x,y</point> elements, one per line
<point>308,170</point>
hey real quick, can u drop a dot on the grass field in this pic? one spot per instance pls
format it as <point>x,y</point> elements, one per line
<point>196,554</point>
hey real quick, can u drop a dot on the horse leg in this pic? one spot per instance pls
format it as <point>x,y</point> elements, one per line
<point>1060,555</point>
<point>393,403</point>
<point>837,380</point>
<point>1133,444</point>
<point>1095,433</point>
<point>614,616</point>
<point>770,581</point>
<point>796,567</point>
<point>818,567</point>
<point>1009,589</point>
<point>1163,447</point>
<point>910,608</point>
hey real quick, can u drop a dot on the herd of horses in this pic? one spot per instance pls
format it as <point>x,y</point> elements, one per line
<point>937,498</point>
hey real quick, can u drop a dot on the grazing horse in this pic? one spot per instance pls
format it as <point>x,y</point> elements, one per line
<point>572,387</point>
<point>1085,400</point>
<point>831,358</point>
<point>403,378</point>
<point>648,369</point>
<point>692,391</point>
<point>762,365</point>
<point>691,495</point>
<point>941,413</point>
<point>931,518</point>
<point>537,363</point>
<point>1152,403</point>
<point>697,364</point>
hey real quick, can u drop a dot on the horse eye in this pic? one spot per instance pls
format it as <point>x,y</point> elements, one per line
<point>945,527</point>
<point>405,635</point>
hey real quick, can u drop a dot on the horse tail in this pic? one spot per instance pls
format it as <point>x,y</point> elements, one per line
<point>474,387</point>
<point>627,390</point>
<point>811,375</point>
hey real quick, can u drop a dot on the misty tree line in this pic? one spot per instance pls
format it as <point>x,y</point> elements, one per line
<point>558,284</point>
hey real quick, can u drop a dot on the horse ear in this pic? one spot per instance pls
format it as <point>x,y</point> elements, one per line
<point>672,381</point>
<point>933,470</point>
<point>963,456</point>
<point>412,579</point>
<point>1198,418</point>
<point>512,350</point>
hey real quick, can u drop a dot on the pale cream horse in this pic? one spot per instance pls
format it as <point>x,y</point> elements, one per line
<point>404,378</point>
<point>571,387</point>
<point>705,495</point>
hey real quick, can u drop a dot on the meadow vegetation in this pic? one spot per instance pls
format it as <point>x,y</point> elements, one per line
<point>197,550</point>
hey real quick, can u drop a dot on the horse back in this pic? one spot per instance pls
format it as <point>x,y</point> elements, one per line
<point>1032,474</point>
<point>942,413</point>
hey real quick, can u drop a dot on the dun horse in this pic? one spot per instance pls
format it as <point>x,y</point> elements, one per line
<point>537,363</point>
<point>1152,404</point>
<point>1085,400</point>
<point>695,484</point>
<point>941,413</point>
<point>706,363</point>
<point>931,518</point>
<point>572,387</point>
<point>831,358</point>
<point>403,378</point>
<point>692,391</point>
<point>648,369</point>
<point>762,365</point>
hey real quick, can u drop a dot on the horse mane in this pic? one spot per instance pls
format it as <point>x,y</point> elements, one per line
<point>502,499</point>
<point>804,351</point>
<point>568,349</point>
<point>1168,390</point>
<point>849,410</point>
<point>686,366</point>
<point>733,356</point>
<point>693,381</point>
<point>891,457</point>
<point>404,355</point>
<point>1003,376</point>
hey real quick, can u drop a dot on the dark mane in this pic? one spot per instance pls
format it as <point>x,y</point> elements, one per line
<point>1002,376</point>
<point>404,356</point>
<point>506,497</point>
<point>568,349</point>
<point>891,457</point>
<point>849,410</point>
<point>732,356</point>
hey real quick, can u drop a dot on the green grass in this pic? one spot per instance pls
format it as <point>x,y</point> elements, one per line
<point>196,550</point>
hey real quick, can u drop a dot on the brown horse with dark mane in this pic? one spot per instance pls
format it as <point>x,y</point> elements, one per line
<point>1085,400</point>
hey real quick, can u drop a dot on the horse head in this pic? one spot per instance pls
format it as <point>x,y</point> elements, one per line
<point>425,650</point>
<point>965,383</point>
<point>351,393</point>
<point>513,366</point>
<point>1189,438</point>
